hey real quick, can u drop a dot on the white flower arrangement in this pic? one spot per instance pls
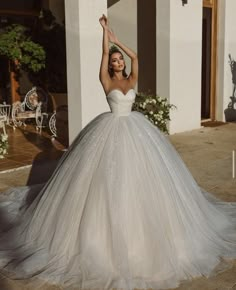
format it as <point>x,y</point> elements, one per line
<point>154,108</point>
<point>3,145</point>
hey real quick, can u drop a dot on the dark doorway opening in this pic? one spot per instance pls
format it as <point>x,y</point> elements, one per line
<point>4,81</point>
<point>147,45</point>
<point>206,63</point>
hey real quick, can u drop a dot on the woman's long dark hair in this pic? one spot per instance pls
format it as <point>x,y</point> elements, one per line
<point>114,49</point>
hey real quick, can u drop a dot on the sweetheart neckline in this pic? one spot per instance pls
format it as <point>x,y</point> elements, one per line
<point>119,91</point>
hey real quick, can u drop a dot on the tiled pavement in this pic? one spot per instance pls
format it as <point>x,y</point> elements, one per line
<point>30,152</point>
<point>207,152</point>
<point>26,146</point>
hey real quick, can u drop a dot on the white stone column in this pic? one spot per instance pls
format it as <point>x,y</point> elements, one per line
<point>86,98</point>
<point>179,35</point>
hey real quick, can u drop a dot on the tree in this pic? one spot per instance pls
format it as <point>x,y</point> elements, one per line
<point>17,46</point>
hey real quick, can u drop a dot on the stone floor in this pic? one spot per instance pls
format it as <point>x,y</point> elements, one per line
<point>208,155</point>
<point>26,145</point>
<point>27,149</point>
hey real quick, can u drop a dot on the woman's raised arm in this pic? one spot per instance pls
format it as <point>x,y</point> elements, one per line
<point>104,74</point>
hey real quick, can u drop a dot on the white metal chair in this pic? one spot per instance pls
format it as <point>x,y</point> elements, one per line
<point>59,115</point>
<point>30,108</point>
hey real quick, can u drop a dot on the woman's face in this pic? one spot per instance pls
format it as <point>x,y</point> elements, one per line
<point>117,62</point>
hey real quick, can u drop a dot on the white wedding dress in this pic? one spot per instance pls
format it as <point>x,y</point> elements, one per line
<point>120,211</point>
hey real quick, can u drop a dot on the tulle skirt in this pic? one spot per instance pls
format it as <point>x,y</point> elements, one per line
<point>120,211</point>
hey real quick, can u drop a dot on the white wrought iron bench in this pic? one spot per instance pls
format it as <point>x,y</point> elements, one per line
<point>32,107</point>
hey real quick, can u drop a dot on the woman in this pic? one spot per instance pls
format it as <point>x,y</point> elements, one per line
<point>115,77</point>
<point>121,210</point>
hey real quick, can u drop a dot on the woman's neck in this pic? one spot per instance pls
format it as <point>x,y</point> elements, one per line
<point>118,76</point>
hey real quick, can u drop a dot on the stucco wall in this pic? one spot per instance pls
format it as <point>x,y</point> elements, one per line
<point>122,18</point>
<point>163,48</point>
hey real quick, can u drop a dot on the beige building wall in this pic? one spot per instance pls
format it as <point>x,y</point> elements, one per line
<point>122,18</point>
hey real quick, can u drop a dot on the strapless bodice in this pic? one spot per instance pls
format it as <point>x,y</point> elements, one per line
<point>121,104</point>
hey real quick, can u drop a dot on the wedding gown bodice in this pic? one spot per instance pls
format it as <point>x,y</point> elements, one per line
<point>120,103</point>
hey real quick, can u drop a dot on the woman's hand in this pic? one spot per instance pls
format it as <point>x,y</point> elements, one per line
<point>103,21</point>
<point>112,37</point>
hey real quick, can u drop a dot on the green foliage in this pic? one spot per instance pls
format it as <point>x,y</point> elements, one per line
<point>17,46</point>
<point>155,109</point>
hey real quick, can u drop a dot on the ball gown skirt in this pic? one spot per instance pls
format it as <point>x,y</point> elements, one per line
<point>120,211</point>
